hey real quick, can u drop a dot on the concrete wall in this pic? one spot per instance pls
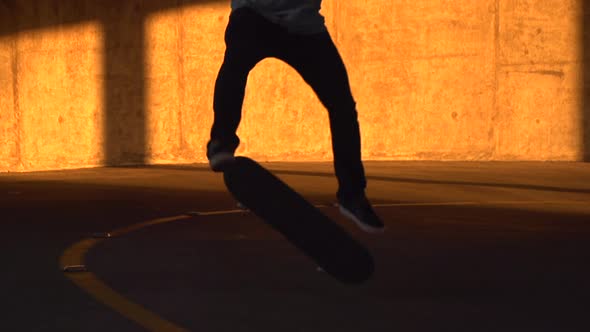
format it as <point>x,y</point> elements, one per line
<point>9,124</point>
<point>585,82</point>
<point>87,83</point>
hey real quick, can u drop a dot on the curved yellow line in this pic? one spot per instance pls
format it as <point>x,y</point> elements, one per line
<point>90,283</point>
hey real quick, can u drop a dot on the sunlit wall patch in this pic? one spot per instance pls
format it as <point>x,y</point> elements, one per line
<point>60,95</point>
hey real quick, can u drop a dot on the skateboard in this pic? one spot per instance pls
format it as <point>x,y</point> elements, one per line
<point>301,223</point>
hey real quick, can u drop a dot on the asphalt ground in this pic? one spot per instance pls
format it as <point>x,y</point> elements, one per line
<point>470,246</point>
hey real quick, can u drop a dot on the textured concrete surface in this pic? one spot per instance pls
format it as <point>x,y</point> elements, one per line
<point>539,75</point>
<point>585,82</point>
<point>9,118</point>
<point>470,246</point>
<point>89,83</point>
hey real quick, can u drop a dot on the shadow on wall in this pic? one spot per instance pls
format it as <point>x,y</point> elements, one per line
<point>586,80</point>
<point>123,26</point>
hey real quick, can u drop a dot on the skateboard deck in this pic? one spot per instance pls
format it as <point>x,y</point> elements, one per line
<point>301,223</point>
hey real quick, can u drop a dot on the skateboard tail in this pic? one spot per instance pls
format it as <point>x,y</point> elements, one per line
<point>302,224</point>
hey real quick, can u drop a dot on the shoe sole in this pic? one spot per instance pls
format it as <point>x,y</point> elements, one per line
<point>220,161</point>
<point>359,223</point>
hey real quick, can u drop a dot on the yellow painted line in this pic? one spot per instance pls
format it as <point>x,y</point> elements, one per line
<point>90,283</point>
<point>213,213</point>
<point>135,227</point>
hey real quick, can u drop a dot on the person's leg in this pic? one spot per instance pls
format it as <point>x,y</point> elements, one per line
<point>317,60</point>
<point>247,39</point>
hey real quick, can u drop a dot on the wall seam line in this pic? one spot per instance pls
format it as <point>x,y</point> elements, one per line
<point>16,104</point>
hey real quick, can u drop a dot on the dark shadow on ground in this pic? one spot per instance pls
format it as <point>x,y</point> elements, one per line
<point>40,219</point>
<point>205,168</point>
<point>123,27</point>
<point>438,268</point>
<point>463,183</point>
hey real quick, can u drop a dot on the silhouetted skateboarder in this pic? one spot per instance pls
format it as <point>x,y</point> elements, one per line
<point>294,32</point>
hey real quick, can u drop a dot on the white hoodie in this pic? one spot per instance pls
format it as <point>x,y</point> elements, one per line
<point>298,16</point>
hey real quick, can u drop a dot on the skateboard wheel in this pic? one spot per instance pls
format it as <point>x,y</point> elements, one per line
<point>101,235</point>
<point>241,206</point>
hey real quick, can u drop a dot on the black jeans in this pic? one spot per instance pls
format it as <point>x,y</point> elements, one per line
<point>250,38</point>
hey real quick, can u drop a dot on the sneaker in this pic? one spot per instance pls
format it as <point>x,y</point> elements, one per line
<point>219,158</point>
<point>360,211</point>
